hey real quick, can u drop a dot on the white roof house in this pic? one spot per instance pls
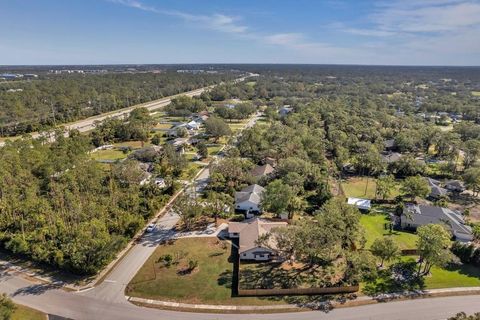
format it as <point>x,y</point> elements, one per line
<point>193,125</point>
<point>362,204</point>
<point>248,199</point>
<point>160,182</point>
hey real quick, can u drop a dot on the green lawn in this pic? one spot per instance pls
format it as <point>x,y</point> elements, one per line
<point>132,144</point>
<point>163,126</point>
<point>111,154</point>
<point>190,171</point>
<point>462,276</point>
<point>214,150</point>
<point>26,313</point>
<point>374,228</point>
<point>209,283</point>
<point>361,187</point>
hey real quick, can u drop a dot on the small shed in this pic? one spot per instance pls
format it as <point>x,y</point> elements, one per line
<point>362,204</point>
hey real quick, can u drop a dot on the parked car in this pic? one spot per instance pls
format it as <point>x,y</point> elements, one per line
<point>151,227</point>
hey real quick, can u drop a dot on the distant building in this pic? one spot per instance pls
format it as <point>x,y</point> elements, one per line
<point>390,145</point>
<point>262,171</point>
<point>391,157</point>
<point>285,110</point>
<point>436,191</point>
<point>159,182</point>
<point>454,186</point>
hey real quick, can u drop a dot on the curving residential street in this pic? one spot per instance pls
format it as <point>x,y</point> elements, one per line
<point>93,305</point>
<point>107,300</point>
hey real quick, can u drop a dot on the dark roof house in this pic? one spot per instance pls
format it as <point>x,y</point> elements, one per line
<point>454,185</point>
<point>391,157</point>
<point>436,191</point>
<point>419,215</point>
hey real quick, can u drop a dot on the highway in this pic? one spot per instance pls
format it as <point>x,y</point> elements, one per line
<point>107,301</point>
<point>89,123</point>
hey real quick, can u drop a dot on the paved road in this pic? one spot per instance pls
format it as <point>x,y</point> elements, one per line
<point>75,306</point>
<point>89,123</point>
<point>107,301</point>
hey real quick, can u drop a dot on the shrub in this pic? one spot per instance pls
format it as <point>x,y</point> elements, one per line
<point>6,307</point>
<point>463,252</point>
<point>166,260</point>
<point>192,264</point>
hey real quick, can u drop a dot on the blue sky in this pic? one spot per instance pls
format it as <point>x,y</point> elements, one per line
<point>399,32</point>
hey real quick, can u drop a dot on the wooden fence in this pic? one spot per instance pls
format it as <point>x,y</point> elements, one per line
<point>410,252</point>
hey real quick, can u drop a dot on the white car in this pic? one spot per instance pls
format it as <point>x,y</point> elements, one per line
<point>151,227</point>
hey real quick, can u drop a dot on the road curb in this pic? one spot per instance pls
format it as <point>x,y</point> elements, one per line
<point>360,301</point>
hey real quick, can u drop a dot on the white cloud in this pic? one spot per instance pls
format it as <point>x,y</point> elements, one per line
<point>415,18</point>
<point>218,22</point>
<point>405,32</point>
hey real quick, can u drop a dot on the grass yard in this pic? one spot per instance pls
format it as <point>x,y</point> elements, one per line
<point>163,126</point>
<point>26,313</point>
<point>191,171</point>
<point>446,128</point>
<point>476,93</point>
<point>132,144</point>
<point>361,187</point>
<point>461,276</point>
<point>456,276</point>
<point>357,187</point>
<point>374,228</point>
<point>209,283</point>
<point>214,150</point>
<point>111,154</point>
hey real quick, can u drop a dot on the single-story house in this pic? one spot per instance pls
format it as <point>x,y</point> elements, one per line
<point>160,182</point>
<point>147,154</point>
<point>262,171</point>
<point>390,145</point>
<point>391,157</point>
<point>248,200</point>
<point>193,125</point>
<point>248,233</point>
<point>173,132</point>
<point>436,191</point>
<point>271,161</point>
<point>415,216</point>
<point>286,109</point>
<point>362,204</point>
<point>454,186</point>
<point>201,118</point>
<point>179,142</point>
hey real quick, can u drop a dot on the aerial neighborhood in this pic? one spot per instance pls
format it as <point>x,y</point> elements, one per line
<point>260,190</point>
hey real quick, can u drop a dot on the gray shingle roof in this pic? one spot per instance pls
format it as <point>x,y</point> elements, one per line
<point>251,193</point>
<point>425,214</point>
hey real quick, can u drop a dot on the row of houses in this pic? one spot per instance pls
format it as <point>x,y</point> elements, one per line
<point>249,232</point>
<point>191,127</point>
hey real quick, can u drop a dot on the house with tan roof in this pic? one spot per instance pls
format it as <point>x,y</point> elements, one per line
<point>249,232</point>
<point>262,171</point>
